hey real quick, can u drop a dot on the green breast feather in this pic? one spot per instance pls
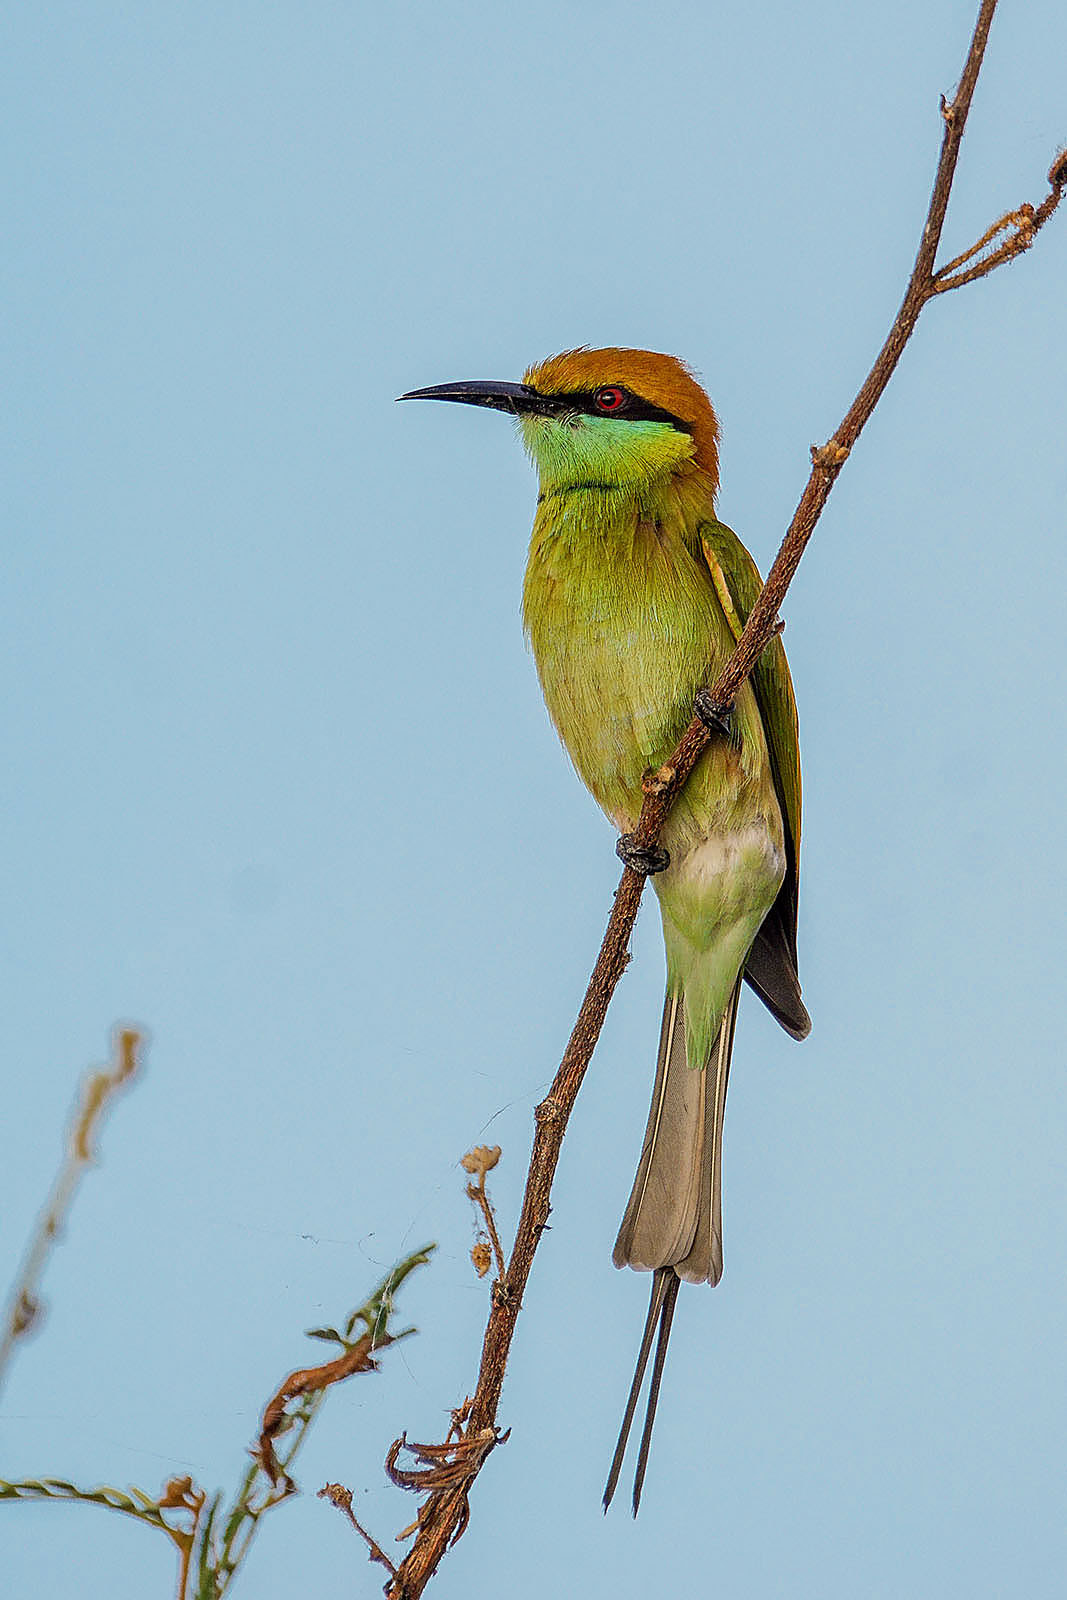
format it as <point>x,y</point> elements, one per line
<point>626,622</point>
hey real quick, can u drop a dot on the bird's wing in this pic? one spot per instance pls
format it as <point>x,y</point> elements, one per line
<point>771,968</point>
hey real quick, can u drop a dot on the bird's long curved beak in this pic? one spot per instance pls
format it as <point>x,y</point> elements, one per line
<point>517,398</point>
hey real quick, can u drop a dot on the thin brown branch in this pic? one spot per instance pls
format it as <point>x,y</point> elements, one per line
<point>339,1496</point>
<point>95,1097</point>
<point>1024,224</point>
<point>444,1513</point>
<point>1020,221</point>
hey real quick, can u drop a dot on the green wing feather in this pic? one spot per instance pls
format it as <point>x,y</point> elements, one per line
<point>737,579</point>
<point>770,676</point>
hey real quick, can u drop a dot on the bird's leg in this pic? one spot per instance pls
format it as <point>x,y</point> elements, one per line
<point>642,858</point>
<point>715,717</point>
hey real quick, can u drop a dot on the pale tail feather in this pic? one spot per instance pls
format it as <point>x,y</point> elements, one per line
<point>703,1264</point>
<point>674,1215</point>
<point>673,1222</point>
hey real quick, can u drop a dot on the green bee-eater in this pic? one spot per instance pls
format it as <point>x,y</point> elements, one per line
<point>635,595</point>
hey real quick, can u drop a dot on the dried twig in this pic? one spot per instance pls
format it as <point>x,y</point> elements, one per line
<point>227,1539</point>
<point>310,1380</point>
<point>482,1159</point>
<point>211,1541</point>
<point>95,1097</point>
<point>444,1474</point>
<point>339,1496</point>
<point>444,1513</point>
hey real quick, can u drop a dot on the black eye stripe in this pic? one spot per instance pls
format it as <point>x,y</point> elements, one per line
<point>631,408</point>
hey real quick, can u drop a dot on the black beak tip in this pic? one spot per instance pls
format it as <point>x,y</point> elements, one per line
<point>498,396</point>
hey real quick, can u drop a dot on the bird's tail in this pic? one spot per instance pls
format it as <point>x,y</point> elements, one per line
<point>673,1222</point>
<point>674,1215</point>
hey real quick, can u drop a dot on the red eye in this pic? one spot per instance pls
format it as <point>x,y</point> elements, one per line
<point>610,399</point>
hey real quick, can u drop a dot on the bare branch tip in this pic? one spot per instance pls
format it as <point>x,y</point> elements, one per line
<point>1057,173</point>
<point>339,1496</point>
<point>128,1043</point>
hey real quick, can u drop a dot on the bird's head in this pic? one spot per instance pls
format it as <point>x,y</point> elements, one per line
<point>616,418</point>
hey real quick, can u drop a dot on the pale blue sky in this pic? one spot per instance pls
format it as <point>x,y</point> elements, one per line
<point>279,783</point>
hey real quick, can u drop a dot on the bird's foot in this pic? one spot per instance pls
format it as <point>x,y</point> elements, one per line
<point>646,859</point>
<point>715,717</point>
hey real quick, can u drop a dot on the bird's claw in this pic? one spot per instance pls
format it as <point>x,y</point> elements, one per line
<point>646,859</point>
<point>715,717</point>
